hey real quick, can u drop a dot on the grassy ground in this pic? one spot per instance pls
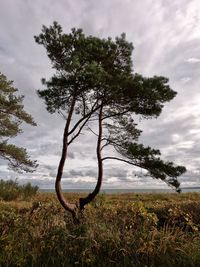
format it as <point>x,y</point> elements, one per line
<point>151,230</point>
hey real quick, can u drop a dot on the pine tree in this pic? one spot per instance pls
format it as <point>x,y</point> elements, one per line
<point>12,114</point>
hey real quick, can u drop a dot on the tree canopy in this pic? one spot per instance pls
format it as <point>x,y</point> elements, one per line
<point>94,80</point>
<point>12,114</point>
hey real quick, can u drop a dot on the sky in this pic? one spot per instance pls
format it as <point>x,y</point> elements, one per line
<point>166,39</point>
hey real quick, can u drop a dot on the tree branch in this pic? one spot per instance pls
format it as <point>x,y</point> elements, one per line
<point>106,144</point>
<point>83,118</point>
<point>80,129</point>
<point>92,131</point>
<point>115,114</point>
<point>60,112</point>
<point>123,160</point>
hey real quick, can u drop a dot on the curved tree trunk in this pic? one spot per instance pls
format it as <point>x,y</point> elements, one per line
<point>91,196</point>
<point>71,207</point>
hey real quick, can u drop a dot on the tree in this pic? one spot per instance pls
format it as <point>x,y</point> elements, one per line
<point>12,114</point>
<point>94,80</point>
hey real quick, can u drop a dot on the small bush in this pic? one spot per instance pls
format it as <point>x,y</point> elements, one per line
<point>28,190</point>
<point>11,190</point>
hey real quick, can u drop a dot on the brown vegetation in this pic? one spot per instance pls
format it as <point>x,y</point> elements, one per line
<point>116,230</point>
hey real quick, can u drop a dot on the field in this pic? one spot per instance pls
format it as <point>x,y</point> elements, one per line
<point>151,230</point>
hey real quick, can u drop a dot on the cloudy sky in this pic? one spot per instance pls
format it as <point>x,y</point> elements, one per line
<point>166,38</point>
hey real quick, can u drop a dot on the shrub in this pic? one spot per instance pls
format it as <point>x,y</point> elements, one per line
<point>29,190</point>
<point>11,190</point>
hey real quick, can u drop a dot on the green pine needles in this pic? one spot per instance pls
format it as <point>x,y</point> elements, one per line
<point>12,114</point>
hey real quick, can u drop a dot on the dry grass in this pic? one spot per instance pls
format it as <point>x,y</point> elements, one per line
<point>152,230</point>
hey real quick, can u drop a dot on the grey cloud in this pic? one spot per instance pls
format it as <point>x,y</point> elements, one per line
<point>71,155</point>
<point>161,132</point>
<point>114,171</point>
<point>191,178</point>
<point>2,49</point>
<point>109,172</point>
<point>49,167</point>
<point>79,173</point>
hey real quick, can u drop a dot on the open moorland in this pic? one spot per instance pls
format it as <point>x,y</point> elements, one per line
<point>115,230</point>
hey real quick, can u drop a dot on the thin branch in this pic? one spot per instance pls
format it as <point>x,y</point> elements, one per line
<point>79,131</point>
<point>94,119</point>
<point>84,105</point>
<point>115,114</point>
<point>61,113</point>
<point>110,142</point>
<point>83,118</point>
<point>123,160</point>
<point>107,144</point>
<point>10,112</point>
<point>7,158</point>
<point>135,164</point>
<point>92,131</point>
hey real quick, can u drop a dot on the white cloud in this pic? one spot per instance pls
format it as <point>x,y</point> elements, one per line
<point>185,79</point>
<point>193,60</point>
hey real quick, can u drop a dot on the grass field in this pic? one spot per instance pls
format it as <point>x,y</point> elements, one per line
<point>138,230</point>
